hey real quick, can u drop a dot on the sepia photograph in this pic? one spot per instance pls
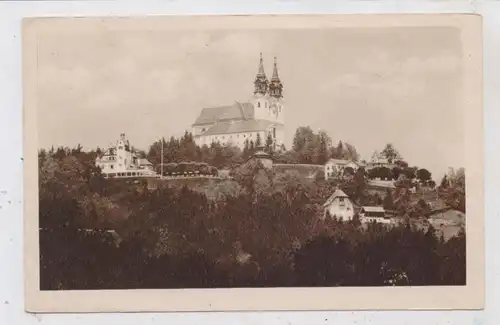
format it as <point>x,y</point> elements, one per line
<point>254,153</point>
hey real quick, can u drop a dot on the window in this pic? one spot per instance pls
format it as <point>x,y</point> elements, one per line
<point>203,130</point>
<point>266,104</point>
<point>120,148</point>
<point>258,104</point>
<point>111,166</point>
<point>342,202</point>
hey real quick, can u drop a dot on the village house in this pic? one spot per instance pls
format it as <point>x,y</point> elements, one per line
<point>446,217</point>
<point>339,205</point>
<point>374,214</point>
<point>250,121</point>
<point>121,161</point>
<point>335,168</point>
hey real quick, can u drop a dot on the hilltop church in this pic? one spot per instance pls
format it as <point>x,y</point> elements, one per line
<point>253,120</point>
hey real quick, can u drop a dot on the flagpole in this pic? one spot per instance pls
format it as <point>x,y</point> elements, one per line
<point>161,175</point>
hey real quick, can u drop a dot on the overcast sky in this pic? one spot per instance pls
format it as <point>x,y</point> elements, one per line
<point>364,86</point>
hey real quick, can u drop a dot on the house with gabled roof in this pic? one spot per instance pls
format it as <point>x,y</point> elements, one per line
<point>336,167</point>
<point>339,205</point>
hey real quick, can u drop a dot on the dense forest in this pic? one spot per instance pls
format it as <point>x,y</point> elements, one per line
<point>265,231</point>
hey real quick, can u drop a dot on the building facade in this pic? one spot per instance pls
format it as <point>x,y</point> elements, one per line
<point>121,161</point>
<point>339,205</point>
<point>374,214</point>
<point>335,168</point>
<point>252,121</point>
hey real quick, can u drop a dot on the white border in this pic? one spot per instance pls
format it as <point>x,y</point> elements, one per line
<point>469,296</point>
<point>11,241</point>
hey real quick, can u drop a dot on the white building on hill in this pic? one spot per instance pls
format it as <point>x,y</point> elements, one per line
<point>339,205</point>
<point>260,117</point>
<point>120,161</point>
<point>336,167</point>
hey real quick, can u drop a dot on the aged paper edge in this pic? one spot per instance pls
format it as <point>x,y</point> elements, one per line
<point>470,296</point>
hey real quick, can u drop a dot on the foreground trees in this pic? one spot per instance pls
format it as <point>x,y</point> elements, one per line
<point>265,231</point>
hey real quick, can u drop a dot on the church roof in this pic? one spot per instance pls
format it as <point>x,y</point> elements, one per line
<point>227,127</point>
<point>236,111</point>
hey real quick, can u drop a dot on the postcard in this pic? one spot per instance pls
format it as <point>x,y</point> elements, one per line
<point>261,162</point>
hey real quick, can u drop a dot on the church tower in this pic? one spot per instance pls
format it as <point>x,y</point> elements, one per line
<point>268,103</point>
<point>276,87</point>
<point>261,84</point>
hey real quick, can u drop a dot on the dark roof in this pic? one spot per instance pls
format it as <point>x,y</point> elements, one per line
<point>340,161</point>
<point>236,111</point>
<point>228,127</point>
<point>373,209</point>
<point>261,155</point>
<point>143,161</point>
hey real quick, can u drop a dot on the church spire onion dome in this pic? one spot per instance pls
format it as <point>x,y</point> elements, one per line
<point>261,83</point>
<point>276,87</point>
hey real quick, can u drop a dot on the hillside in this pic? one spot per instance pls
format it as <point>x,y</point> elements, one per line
<point>213,188</point>
<point>305,170</point>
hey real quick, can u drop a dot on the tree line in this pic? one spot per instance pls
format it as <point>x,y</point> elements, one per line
<point>99,234</point>
<point>308,148</point>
